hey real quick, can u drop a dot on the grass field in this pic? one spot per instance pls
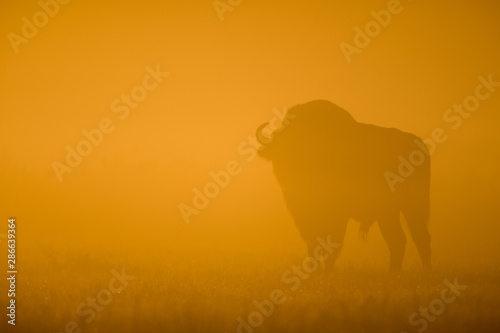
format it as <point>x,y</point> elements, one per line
<point>209,293</point>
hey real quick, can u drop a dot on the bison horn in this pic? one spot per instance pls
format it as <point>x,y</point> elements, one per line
<point>260,136</point>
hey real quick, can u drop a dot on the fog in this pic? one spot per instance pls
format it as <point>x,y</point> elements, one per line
<point>209,84</point>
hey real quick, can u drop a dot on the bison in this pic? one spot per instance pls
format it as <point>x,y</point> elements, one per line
<point>332,168</point>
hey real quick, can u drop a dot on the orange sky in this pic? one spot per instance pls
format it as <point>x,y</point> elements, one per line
<point>226,77</point>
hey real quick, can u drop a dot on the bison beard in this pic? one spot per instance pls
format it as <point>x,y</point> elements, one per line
<point>331,168</point>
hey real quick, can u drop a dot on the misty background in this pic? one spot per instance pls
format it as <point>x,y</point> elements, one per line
<point>226,78</point>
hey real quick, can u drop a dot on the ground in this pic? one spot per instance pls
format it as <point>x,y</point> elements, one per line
<point>214,293</point>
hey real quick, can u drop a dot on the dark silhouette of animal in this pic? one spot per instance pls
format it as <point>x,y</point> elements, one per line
<point>331,169</point>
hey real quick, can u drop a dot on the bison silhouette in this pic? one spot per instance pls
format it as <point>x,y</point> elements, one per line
<point>332,168</point>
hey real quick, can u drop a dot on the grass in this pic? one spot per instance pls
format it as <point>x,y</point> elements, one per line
<point>208,293</point>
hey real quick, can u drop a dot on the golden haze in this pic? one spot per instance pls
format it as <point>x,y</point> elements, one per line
<point>120,206</point>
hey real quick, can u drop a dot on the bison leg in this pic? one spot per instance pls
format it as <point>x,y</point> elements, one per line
<point>330,243</point>
<point>421,236</point>
<point>325,248</point>
<point>337,230</point>
<point>391,230</point>
<point>325,252</point>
